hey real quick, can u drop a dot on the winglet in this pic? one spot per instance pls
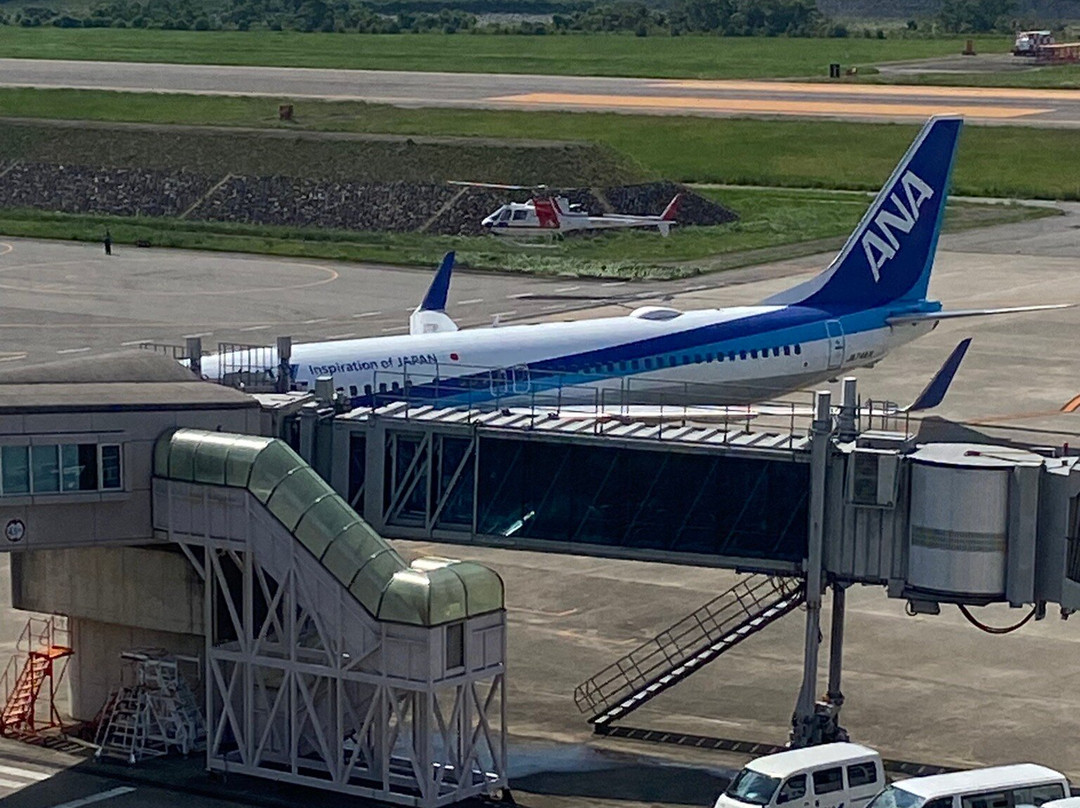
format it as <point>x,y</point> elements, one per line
<point>934,392</point>
<point>435,299</point>
<point>430,316</point>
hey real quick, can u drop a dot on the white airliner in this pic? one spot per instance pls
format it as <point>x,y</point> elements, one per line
<point>870,300</point>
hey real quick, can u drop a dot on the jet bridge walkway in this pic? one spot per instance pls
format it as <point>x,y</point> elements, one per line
<point>686,647</point>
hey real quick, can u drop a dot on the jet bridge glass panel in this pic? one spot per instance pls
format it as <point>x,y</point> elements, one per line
<point>662,501</point>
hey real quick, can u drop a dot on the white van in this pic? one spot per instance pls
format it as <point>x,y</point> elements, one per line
<point>1068,802</point>
<point>833,775</point>
<point>1023,785</point>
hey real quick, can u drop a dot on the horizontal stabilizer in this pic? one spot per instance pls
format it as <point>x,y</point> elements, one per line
<point>924,317</point>
<point>934,392</point>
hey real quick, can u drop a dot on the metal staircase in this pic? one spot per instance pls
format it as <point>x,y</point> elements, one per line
<point>155,715</point>
<point>41,658</point>
<point>686,647</point>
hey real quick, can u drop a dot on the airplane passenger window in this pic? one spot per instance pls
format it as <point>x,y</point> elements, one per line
<point>647,363</point>
<point>353,391</point>
<point>520,214</point>
<point>710,357</point>
<point>731,356</point>
<point>395,386</point>
<point>775,351</point>
<point>367,389</point>
<point>798,349</point>
<point>742,354</point>
<point>382,387</point>
<point>633,364</point>
<point>753,353</point>
<point>697,359</point>
<point>686,359</point>
<point>787,350</point>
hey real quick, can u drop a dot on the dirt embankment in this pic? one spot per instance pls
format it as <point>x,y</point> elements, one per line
<point>329,182</point>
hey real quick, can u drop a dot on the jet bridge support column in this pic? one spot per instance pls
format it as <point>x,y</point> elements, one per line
<point>804,721</point>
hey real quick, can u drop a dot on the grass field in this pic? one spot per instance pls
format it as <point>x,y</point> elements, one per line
<point>773,225</point>
<point>574,54</point>
<point>1057,77</point>
<point>993,160</point>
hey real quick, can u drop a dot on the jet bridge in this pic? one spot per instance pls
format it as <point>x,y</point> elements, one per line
<point>817,505</point>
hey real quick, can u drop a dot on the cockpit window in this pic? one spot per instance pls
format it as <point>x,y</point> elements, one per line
<point>504,215</point>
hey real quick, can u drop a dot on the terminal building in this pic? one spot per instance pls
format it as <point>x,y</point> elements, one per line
<point>249,534</point>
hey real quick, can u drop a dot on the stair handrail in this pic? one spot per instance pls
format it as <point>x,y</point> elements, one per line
<point>597,690</point>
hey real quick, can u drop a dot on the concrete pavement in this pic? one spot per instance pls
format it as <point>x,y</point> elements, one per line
<point>531,92</point>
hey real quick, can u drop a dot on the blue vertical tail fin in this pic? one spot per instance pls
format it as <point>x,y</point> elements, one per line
<point>888,257</point>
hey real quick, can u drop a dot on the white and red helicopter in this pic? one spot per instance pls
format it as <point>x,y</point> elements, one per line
<point>545,214</point>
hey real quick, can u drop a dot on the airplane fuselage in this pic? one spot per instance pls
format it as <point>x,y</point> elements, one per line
<point>721,356</point>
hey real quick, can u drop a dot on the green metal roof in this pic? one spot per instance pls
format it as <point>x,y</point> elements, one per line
<point>431,592</point>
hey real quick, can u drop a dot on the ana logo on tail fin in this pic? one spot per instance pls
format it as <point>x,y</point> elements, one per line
<point>889,255</point>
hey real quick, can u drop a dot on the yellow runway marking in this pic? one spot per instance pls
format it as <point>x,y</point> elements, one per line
<point>776,107</point>
<point>872,90</point>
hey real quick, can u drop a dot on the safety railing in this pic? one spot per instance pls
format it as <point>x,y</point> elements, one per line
<point>686,646</point>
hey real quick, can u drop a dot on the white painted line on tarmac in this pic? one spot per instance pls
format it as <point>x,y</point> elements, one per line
<point>395,328</point>
<point>505,313</point>
<point>368,314</point>
<point>469,302</point>
<point>16,784</point>
<point>119,791</point>
<point>563,289</point>
<point>614,283</point>
<point>26,774</point>
<point>193,336</point>
<point>341,336</point>
<point>316,320</point>
<point>255,328</point>
<point>519,296</point>
<point>12,358</point>
<point>74,350</point>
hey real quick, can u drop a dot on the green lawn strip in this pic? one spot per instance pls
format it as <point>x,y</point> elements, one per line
<point>1008,161</point>
<point>774,225</point>
<point>1049,77</point>
<point>571,54</point>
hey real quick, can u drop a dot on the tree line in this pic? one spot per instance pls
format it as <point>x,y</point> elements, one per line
<point>797,18</point>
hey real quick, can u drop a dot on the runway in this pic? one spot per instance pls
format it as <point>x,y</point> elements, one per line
<point>1057,108</point>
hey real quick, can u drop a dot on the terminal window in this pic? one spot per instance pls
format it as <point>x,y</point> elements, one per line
<point>59,468</point>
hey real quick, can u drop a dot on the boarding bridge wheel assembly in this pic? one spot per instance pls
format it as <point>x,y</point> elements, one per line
<point>32,678</point>
<point>686,647</point>
<point>331,662</point>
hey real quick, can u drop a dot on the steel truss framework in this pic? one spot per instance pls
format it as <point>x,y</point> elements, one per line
<point>303,685</point>
<point>575,493</point>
